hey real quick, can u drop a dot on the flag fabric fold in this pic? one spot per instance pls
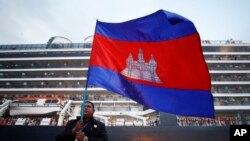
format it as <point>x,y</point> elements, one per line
<point>154,60</point>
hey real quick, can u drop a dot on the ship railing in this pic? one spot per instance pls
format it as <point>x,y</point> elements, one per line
<point>230,41</point>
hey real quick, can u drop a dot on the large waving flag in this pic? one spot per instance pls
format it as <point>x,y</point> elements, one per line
<point>154,60</point>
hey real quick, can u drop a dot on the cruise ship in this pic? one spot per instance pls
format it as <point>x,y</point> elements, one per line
<point>42,84</point>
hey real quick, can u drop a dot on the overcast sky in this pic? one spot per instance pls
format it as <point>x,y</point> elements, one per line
<point>35,21</point>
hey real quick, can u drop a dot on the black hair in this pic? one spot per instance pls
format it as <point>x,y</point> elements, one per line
<point>91,104</point>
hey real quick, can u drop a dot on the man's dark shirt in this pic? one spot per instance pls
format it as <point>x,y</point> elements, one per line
<point>94,130</point>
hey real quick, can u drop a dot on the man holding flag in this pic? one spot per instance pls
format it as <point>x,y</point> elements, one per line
<point>154,60</point>
<point>87,129</point>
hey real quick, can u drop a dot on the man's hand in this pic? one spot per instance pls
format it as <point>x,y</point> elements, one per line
<point>77,127</point>
<point>80,136</point>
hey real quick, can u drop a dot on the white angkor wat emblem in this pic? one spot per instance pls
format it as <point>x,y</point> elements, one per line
<point>140,69</point>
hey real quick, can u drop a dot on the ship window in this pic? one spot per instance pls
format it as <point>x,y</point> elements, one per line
<point>248,75</point>
<point>54,101</point>
<point>7,83</point>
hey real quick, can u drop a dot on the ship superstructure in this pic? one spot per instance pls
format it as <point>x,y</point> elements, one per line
<point>58,70</point>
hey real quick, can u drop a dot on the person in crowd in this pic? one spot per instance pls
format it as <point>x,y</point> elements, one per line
<point>88,129</point>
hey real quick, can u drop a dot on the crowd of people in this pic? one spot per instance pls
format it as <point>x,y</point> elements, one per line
<point>231,89</point>
<point>226,66</point>
<point>227,57</point>
<point>218,121</point>
<point>27,120</point>
<point>226,101</point>
<point>231,77</point>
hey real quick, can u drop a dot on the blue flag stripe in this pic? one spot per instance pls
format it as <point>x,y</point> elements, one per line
<point>159,26</point>
<point>177,101</point>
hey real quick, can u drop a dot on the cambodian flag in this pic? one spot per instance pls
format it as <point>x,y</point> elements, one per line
<point>154,60</point>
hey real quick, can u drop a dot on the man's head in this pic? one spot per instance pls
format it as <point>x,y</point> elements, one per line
<point>89,109</point>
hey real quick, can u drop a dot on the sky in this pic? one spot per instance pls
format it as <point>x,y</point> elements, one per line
<point>35,21</point>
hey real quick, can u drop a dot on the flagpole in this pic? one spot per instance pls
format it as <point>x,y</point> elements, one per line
<point>84,95</point>
<point>85,92</point>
